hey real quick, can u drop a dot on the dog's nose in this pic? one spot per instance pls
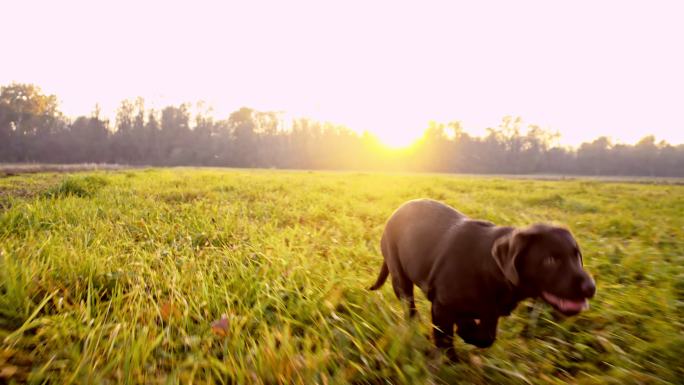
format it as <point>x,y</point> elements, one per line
<point>588,288</point>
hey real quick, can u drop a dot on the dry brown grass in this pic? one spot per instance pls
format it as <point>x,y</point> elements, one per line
<point>10,169</point>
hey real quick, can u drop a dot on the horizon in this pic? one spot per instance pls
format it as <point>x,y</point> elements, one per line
<point>388,68</point>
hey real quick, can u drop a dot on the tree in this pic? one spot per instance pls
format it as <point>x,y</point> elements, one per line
<point>592,157</point>
<point>175,135</point>
<point>28,120</point>
<point>645,154</point>
<point>242,126</point>
<point>123,143</point>
<point>88,140</point>
<point>204,148</point>
<point>434,148</point>
<point>32,129</point>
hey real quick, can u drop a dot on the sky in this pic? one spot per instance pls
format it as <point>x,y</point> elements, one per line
<point>582,68</point>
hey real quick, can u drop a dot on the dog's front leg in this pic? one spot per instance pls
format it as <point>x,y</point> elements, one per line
<point>443,330</point>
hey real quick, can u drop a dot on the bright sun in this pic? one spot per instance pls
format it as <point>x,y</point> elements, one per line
<point>396,139</point>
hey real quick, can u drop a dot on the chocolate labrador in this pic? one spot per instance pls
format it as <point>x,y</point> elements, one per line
<point>473,272</point>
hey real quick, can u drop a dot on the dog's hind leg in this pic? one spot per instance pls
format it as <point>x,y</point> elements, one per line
<point>402,285</point>
<point>403,289</point>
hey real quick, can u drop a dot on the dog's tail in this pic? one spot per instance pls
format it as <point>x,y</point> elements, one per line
<point>382,277</point>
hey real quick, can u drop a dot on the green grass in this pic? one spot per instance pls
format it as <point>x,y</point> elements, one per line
<point>203,276</point>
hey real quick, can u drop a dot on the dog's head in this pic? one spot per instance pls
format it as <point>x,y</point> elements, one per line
<point>546,261</point>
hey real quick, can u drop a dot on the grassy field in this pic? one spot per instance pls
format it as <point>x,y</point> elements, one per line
<point>224,276</point>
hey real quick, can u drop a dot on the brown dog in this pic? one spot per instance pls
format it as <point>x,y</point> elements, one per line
<point>473,272</point>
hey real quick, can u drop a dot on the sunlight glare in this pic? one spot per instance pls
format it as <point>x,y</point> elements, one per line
<point>396,139</point>
<point>429,67</point>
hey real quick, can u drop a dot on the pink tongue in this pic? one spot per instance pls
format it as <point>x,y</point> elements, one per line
<point>571,305</point>
<point>566,304</point>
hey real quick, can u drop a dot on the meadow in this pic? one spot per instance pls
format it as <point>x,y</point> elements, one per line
<point>164,276</point>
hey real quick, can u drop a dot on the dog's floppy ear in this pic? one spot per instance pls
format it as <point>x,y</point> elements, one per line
<point>506,250</point>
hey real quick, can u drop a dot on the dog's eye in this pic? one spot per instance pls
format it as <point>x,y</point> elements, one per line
<point>550,260</point>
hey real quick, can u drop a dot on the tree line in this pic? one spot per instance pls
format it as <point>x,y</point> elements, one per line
<point>32,129</point>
